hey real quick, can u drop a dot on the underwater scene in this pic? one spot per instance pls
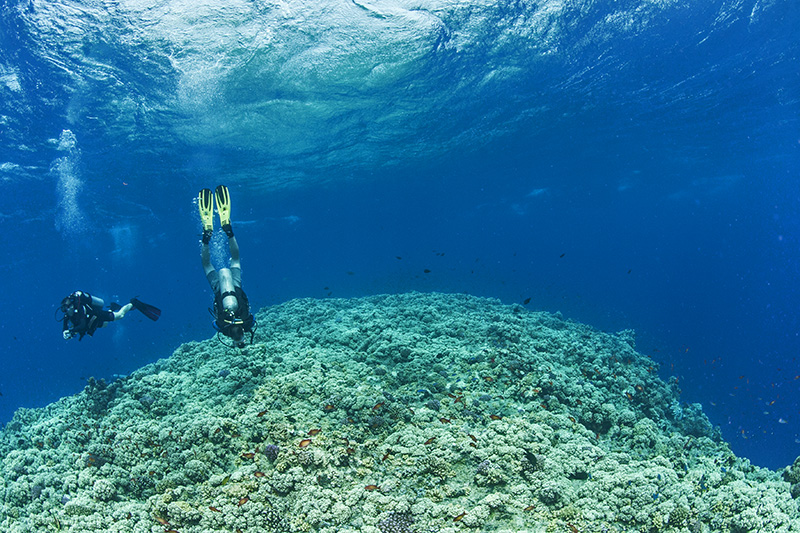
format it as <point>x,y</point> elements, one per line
<point>399,266</point>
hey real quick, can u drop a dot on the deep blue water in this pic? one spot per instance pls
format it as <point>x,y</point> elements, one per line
<point>632,165</point>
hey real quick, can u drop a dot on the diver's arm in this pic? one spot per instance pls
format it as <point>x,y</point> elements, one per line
<point>234,246</point>
<point>66,330</point>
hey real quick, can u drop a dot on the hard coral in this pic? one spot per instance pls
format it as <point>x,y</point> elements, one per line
<point>396,523</point>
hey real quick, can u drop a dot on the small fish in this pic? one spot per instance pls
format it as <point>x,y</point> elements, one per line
<point>473,437</point>
<point>429,441</point>
<point>305,442</point>
<point>328,408</point>
<point>262,413</point>
<point>488,378</point>
<point>427,271</point>
<point>459,517</point>
<point>526,301</point>
<point>314,432</point>
<point>473,444</point>
<point>161,521</point>
<point>170,531</point>
<point>243,501</point>
<point>629,395</point>
<point>377,406</point>
<point>248,455</point>
<point>350,451</point>
<point>259,474</point>
<point>371,487</point>
<point>562,255</point>
<point>214,509</point>
<point>217,430</point>
<point>495,417</point>
<point>528,508</point>
<point>572,419</point>
<point>398,257</point>
<point>386,455</point>
<point>639,388</point>
<point>444,420</point>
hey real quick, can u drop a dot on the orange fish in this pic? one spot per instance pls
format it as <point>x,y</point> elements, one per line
<point>473,437</point>
<point>214,509</point>
<point>371,487</point>
<point>495,417</point>
<point>444,420</point>
<point>328,408</point>
<point>259,474</point>
<point>304,443</point>
<point>377,406</point>
<point>459,517</point>
<point>243,501</point>
<point>262,413</point>
<point>314,432</point>
<point>161,521</point>
<point>248,455</point>
<point>528,508</point>
<point>430,440</point>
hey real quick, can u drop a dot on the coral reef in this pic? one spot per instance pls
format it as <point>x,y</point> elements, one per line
<point>402,413</point>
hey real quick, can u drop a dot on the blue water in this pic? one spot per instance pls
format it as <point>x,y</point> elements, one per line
<point>631,164</point>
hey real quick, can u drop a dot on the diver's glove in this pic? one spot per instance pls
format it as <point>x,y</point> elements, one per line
<point>228,229</point>
<point>68,334</point>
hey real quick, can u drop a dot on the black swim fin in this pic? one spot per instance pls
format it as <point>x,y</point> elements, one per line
<point>150,311</point>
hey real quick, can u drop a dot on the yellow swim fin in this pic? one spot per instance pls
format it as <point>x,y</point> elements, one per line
<point>205,203</point>
<point>223,205</point>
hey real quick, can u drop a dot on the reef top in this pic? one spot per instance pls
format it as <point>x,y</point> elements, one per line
<point>393,413</point>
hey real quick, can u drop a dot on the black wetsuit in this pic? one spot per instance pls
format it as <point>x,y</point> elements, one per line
<point>86,318</point>
<point>242,313</point>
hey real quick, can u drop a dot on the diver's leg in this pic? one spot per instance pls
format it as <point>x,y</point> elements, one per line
<point>205,258</point>
<point>234,246</point>
<point>122,311</point>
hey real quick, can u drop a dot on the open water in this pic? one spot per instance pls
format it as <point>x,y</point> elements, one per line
<point>632,164</point>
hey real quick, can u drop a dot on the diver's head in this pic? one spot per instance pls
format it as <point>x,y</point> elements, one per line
<point>234,327</point>
<point>68,305</point>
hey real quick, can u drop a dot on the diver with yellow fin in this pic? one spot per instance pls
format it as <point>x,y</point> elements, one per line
<point>84,313</point>
<point>231,312</point>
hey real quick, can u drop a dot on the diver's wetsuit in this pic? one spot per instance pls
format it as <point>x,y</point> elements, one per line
<point>87,317</point>
<point>243,311</point>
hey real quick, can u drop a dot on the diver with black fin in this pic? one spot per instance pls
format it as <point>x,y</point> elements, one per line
<point>231,311</point>
<point>84,313</point>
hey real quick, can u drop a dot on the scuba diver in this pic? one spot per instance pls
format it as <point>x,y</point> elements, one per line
<point>83,313</point>
<point>231,310</point>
